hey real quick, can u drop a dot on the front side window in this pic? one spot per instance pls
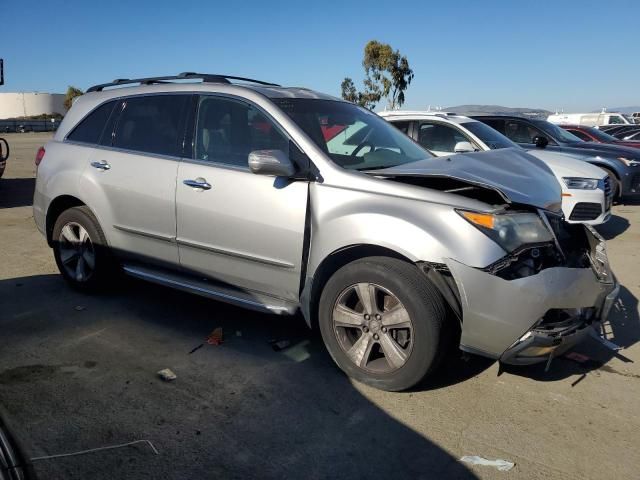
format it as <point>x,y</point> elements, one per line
<point>227,131</point>
<point>521,132</point>
<point>439,137</point>
<point>90,129</point>
<point>152,124</point>
<point>616,120</point>
<point>403,126</point>
<point>490,137</point>
<point>364,141</point>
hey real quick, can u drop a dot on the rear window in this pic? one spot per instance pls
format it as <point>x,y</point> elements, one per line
<point>90,129</point>
<point>152,124</point>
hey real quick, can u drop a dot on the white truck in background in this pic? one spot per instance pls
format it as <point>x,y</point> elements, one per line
<point>589,119</point>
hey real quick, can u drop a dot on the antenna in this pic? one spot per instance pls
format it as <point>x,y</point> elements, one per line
<point>1,71</point>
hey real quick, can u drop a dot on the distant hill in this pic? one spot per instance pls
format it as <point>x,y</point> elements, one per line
<point>499,110</point>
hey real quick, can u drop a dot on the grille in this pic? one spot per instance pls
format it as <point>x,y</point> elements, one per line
<point>607,186</point>
<point>586,211</point>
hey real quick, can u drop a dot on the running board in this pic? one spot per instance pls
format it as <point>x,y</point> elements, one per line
<point>246,299</point>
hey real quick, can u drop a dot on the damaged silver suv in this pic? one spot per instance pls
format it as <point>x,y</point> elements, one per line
<point>285,200</point>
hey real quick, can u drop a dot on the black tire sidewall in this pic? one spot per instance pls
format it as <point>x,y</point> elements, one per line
<point>83,216</point>
<point>425,308</point>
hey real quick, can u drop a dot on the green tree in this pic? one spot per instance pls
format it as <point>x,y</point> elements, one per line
<point>72,92</point>
<point>387,75</point>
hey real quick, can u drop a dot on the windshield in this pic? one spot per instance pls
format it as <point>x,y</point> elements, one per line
<point>354,138</point>
<point>492,138</point>
<point>556,132</point>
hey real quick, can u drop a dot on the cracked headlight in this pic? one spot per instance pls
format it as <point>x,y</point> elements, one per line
<point>510,230</point>
<point>579,183</point>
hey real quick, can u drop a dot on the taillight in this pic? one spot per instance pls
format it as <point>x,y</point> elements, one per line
<point>39,155</point>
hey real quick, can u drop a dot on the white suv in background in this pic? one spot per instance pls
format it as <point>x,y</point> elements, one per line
<point>586,190</point>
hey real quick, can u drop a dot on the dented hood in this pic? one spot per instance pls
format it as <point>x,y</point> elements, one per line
<point>517,176</point>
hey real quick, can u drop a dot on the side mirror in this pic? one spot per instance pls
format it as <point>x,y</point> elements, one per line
<point>464,147</point>
<point>271,162</point>
<point>540,141</point>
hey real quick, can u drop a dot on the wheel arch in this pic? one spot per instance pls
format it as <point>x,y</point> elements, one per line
<point>56,207</point>
<point>313,285</point>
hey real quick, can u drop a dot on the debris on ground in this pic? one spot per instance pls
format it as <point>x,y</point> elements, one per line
<point>215,337</point>
<point>278,345</point>
<point>99,449</point>
<point>167,375</point>
<point>502,465</point>
<point>80,308</point>
<point>196,348</point>
<point>298,352</point>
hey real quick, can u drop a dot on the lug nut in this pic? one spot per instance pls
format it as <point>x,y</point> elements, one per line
<point>365,329</point>
<point>367,316</point>
<point>384,329</point>
<point>377,316</point>
<point>375,336</point>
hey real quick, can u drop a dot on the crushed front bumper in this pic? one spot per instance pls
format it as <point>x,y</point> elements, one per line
<point>513,320</point>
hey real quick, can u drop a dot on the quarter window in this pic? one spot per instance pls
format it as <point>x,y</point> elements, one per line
<point>227,131</point>
<point>439,138</point>
<point>152,124</point>
<point>90,129</point>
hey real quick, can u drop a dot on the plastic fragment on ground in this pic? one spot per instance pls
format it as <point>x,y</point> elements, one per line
<point>167,375</point>
<point>502,465</point>
<point>215,337</point>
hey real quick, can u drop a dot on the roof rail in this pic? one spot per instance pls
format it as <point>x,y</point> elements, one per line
<point>205,77</point>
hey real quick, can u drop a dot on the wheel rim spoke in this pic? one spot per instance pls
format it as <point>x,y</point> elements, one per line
<point>80,271</point>
<point>68,255</point>
<point>89,259</point>
<point>84,236</point>
<point>345,317</point>
<point>360,352</point>
<point>398,317</point>
<point>70,235</point>
<point>367,295</point>
<point>394,353</point>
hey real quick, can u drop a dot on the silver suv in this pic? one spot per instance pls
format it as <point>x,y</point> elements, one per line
<point>285,200</point>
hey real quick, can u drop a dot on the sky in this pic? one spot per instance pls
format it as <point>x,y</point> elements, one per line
<point>562,54</point>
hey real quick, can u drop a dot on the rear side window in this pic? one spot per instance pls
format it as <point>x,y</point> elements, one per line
<point>580,135</point>
<point>152,124</point>
<point>402,126</point>
<point>90,129</point>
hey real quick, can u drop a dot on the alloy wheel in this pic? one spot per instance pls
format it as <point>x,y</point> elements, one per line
<point>373,327</point>
<point>77,253</point>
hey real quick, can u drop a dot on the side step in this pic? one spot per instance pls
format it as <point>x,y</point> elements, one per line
<point>242,298</point>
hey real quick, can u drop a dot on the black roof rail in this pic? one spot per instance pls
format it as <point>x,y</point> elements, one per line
<point>205,77</point>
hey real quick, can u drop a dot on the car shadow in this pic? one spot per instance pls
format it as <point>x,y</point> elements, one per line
<point>614,227</point>
<point>78,371</point>
<point>16,192</point>
<point>622,328</point>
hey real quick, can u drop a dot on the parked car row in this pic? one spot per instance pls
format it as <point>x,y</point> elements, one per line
<point>586,189</point>
<point>285,199</point>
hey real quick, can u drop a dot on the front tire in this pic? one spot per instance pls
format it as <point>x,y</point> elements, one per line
<point>382,321</point>
<point>80,249</point>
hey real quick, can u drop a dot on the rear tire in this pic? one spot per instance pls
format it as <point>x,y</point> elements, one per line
<point>383,322</point>
<point>80,250</point>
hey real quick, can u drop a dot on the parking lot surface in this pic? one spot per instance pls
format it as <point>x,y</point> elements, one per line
<point>79,372</point>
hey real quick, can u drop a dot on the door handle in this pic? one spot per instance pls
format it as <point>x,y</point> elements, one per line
<point>101,165</point>
<point>198,183</point>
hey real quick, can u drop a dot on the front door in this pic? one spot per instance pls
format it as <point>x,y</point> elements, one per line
<point>237,228</point>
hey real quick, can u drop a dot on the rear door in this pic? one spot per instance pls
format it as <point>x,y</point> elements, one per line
<point>131,178</point>
<point>237,228</point>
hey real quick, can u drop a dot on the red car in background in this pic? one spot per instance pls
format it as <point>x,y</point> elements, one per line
<point>592,134</point>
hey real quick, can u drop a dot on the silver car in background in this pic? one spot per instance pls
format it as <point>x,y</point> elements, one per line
<point>285,200</point>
